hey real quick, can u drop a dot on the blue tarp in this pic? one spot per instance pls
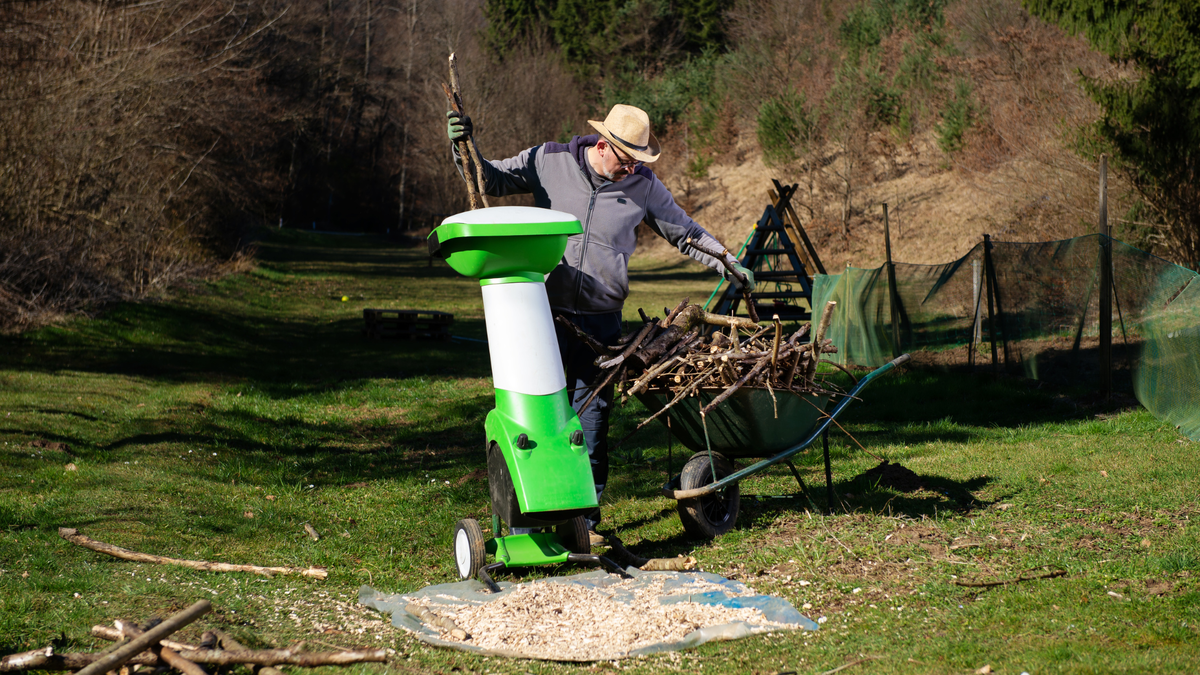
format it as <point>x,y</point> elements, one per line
<point>447,598</point>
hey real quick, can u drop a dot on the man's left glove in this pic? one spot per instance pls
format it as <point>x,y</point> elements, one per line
<point>749,287</point>
<point>458,126</point>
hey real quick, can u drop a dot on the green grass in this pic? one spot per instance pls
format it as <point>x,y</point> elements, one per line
<point>258,395</point>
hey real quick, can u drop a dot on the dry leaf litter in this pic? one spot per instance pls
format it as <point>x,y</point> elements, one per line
<point>558,621</point>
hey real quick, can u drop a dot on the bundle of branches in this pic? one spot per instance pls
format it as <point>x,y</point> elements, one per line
<point>679,354</point>
<point>148,645</point>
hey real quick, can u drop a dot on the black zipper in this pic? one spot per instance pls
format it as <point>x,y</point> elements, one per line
<point>587,233</point>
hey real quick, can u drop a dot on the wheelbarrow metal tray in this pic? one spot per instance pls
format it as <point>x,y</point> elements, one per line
<point>801,434</point>
<point>753,422</point>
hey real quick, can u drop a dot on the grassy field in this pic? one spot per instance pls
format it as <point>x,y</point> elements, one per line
<point>216,424</point>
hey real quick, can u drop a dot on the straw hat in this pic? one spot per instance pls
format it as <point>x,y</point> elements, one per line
<point>628,128</point>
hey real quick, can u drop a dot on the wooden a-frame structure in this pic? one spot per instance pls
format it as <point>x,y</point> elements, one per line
<point>781,269</point>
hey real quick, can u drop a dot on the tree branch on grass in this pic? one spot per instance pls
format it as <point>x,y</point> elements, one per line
<point>848,665</point>
<point>72,535</point>
<point>235,653</point>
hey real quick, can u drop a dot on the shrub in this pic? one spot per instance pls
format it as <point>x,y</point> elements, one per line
<point>956,118</point>
<point>861,32</point>
<point>782,126</point>
<point>665,98</point>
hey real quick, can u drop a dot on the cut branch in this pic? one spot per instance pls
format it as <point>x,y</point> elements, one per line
<point>436,620</point>
<point>141,643</point>
<point>458,101</point>
<point>227,642</point>
<point>169,656</point>
<point>631,347</point>
<point>677,564</point>
<point>720,398</point>
<point>723,256</point>
<point>591,342</point>
<point>289,656</point>
<point>46,659</point>
<point>819,338</point>
<point>235,653</point>
<point>114,634</point>
<point>72,535</point>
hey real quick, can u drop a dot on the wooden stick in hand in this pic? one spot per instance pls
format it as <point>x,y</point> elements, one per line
<point>463,150</point>
<point>457,90</point>
<point>741,278</point>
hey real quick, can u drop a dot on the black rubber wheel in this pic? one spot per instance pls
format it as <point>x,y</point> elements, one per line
<point>714,515</point>
<point>469,552</point>
<point>574,535</point>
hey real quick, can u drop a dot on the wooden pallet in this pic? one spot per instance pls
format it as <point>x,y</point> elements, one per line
<point>407,324</point>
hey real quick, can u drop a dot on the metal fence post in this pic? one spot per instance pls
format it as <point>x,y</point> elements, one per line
<point>989,274</point>
<point>892,293</point>
<point>1105,285</point>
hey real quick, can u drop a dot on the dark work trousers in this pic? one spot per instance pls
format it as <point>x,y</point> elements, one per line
<point>580,363</point>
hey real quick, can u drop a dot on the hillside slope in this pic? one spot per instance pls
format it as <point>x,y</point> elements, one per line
<point>1016,177</point>
<point>936,212</point>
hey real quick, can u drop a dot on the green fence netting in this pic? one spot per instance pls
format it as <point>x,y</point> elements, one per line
<point>1037,305</point>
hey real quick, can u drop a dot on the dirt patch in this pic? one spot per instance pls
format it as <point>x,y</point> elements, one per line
<point>917,534</point>
<point>1149,587</point>
<point>51,445</point>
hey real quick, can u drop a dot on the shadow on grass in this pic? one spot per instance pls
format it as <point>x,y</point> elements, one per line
<point>887,488</point>
<point>669,547</point>
<point>279,354</point>
<point>313,446</point>
<point>964,400</point>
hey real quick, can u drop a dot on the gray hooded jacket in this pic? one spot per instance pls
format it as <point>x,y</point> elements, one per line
<point>593,276</point>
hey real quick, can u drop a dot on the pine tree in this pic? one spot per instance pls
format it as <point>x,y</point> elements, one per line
<point>1150,124</point>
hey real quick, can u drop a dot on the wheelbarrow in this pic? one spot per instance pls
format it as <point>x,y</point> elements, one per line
<point>750,423</point>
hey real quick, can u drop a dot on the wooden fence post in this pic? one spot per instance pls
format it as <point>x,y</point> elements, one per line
<point>976,313</point>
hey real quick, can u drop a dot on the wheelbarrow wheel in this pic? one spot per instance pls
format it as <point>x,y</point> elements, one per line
<point>574,535</point>
<point>714,515</point>
<point>470,554</point>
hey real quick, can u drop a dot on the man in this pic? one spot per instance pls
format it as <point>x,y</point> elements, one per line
<point>602,180</point>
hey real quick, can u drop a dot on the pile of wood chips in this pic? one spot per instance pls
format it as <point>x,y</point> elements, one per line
<point>570,622</point>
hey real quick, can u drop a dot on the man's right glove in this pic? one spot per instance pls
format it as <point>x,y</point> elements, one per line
<point>749,287</point>
<point>459,127</point>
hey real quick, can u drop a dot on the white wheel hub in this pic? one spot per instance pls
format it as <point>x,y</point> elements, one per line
<point>462,554</point>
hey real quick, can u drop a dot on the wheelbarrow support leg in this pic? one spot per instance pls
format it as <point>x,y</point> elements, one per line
<point>828,470</point>
<point>803,487</point>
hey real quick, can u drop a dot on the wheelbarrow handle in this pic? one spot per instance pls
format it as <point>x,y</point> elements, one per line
<point>786,454</point>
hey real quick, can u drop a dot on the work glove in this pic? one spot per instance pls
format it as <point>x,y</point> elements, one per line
<point>749,287</point>
<point>459,126</point>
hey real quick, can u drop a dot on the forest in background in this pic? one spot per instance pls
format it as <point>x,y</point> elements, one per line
<point>142,141</point>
